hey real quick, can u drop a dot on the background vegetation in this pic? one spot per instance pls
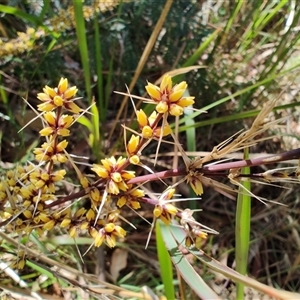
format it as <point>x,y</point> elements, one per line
<point>241,55</point>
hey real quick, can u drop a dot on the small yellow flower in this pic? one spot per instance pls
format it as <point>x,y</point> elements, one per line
<point>99,239</point>
<point>65,223</point>
<point>50,151</point>
<point>187,101</point>
<point>141,118</point>
<point>153,91</point>
<point>73,232</point>
<point>62,146</point>
<point>58,175</point>
<point>116,177</point>
<point>46,131</point>
<point>135,160</point>
<point>95,194</point>
<point>49,225</point>
<point>61,96</point>
<point>152,118</point>
<point>90,215</point>
<point>84,182</point>
<point>194,179</point>
<point>133,144</point>
<point>164,210</point>
<point>147,132</point>
<point>56,125</point>
<point>80,212</point>
<point>121,201</point>
<point>107,234</point>
<point>157,211</point>
<point>131,198</point>
<point>169,99</point>
<point>162,107</point>
<point>44,218</point>
<point>27,214</point>
<point>166,131</point>
<point>176,110</point>
<point>62,85</point>
<point>50,118</point>
<point>116,180</point>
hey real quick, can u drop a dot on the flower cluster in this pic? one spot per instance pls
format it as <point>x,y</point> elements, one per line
<point>168,98</point>
<point>29,194</point>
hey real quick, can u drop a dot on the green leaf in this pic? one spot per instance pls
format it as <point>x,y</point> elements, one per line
<point>165,264</point>
<point>19,13</point>
<point>242,227</point>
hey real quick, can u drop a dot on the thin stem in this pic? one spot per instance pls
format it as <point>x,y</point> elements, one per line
<point>288,155</point>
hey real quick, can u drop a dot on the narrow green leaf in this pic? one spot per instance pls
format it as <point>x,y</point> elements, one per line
<point>242,227</point>
<point>101,100</point>
<point>165,264</point>
<point>83,47</point>
<point>83,120</point>
<point>20,14</point>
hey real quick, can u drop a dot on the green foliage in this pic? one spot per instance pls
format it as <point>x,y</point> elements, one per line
<point>240,54</point>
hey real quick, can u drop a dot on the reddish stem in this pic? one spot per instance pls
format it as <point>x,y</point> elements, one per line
<point>288,155</point>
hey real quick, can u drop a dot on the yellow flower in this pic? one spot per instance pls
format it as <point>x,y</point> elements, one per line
<point>135,160</point>
<point>162,107</point>
<point>194,179</point>
<point>108,234</point>
<point>131,198</point>
<point>80,212</point>
<point>153,91</point>
<point>51,151</point>
<point>62,85</point>
<point>133,144</point>
<point>168,98</point>
<point>147,132</point>
<point>61,96</point>
<point>95,194</point>
<point>84,182</point>
<point>164,210</point>
<point>141,118</point>
<point>56,125</point>
<point>90,215</point>
<point>58,175</point>
<point>49,225</point>
<point>166,131</point>
<point>176,110</point>
<point>65,223</point>
<point>111,169</point>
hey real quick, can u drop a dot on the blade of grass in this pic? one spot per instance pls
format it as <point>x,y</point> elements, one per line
<point>233,16</point>
<point>165,264</point>
<point>20,14</point>
<point>262,17</point>
<point>82,45</point>
<point>242,229</point>
<point>99,71</point>
<point>3,94</point>
<point>84,55</point>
